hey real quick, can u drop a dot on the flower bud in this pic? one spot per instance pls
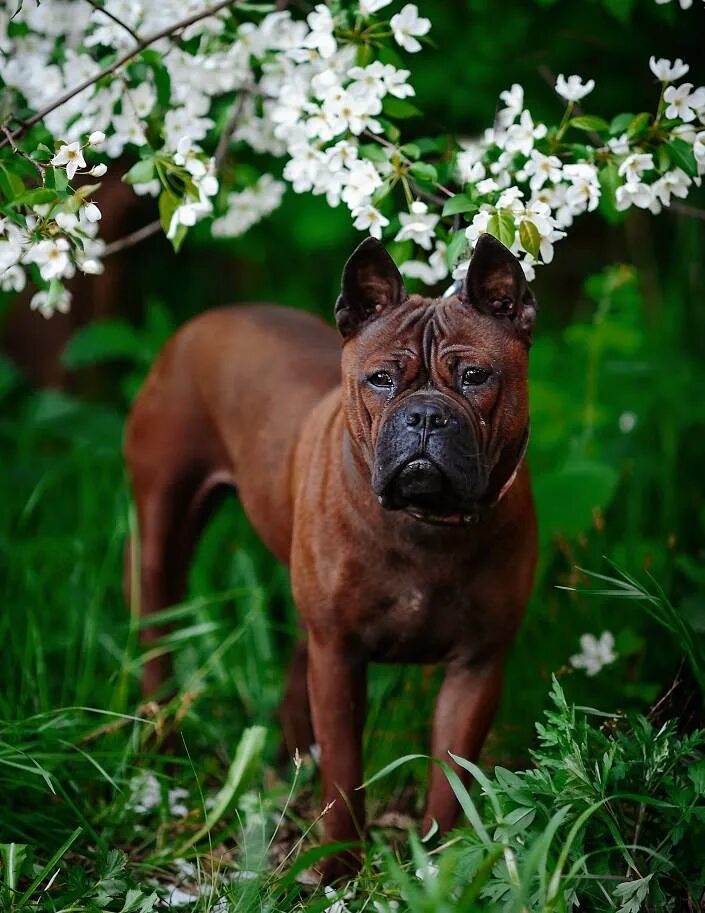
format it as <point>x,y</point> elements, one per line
<point>91,212</point>
<point>91,266</point>
<point>97,171</point>
<point>96,138</point>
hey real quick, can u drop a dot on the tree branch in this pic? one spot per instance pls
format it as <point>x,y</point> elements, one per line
<point>102,9</point>
<point>685,210</point>
<point>227,134</point>
<point>106,71</point>
<point>133,238</point>
<point>15,148</point>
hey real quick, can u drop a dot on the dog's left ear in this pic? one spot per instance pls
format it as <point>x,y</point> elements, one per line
<point>371,284</point>
<point>495,285</point>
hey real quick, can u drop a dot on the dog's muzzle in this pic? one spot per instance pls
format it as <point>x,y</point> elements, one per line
<point>427,459</point>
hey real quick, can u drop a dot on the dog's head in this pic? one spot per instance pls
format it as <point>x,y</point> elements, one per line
<point>435,390</point>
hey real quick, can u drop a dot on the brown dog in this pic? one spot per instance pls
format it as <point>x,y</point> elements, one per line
<point>397,493</point>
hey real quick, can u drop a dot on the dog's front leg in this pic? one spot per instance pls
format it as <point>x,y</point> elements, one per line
<point>337,690</point>
<point>465,709</point>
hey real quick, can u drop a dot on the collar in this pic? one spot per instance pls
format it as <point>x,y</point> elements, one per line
<point>472,518</point>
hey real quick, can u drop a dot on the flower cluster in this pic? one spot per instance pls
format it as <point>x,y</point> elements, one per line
<point>524,183</point>
<point>317,94</point>
<point>54,228</point>
<point>295,85</point>
<point>595,653</point>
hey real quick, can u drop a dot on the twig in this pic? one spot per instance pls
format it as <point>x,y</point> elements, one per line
<point>106,71</point>
<point>549,78</point>
<point>16,149</point>
<point>227,134</point>
<point>152,228</point>
<point>686,210</point>
<point>130,240</point>
<point>102,9</point>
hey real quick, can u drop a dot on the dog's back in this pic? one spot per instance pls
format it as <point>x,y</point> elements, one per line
<point>222,407</point>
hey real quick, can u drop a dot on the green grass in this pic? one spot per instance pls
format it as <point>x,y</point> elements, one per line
<point>75,741</point>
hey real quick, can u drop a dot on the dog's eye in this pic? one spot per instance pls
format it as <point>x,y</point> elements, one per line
<point>381,379</point>
<point>475,375</point>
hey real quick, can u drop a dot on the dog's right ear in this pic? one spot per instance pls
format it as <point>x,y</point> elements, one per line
<point>371,284</point>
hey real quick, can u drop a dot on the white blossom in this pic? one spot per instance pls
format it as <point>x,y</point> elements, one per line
<point>681,102</point>
<point>637,194</point>
<point>635,165</point>
<point>47,304</point>
<point>541,168</point>
<point>367,7</point>
<point>69,155</point>
<point>408,27</point>
<point>371,219</point>
<point>417,225</point>
<point>429,272</point>
<point>673,183</point>
<point>320,38</point>
<point>520,137</point>
<point>91,212</point>
<point>595,653</point>
<point>52,258</point>
<point>573,88</point>
<point>667,70</point>
<point>514,102</point>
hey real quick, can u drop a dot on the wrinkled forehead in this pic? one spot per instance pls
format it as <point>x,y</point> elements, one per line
<point>435,328</point>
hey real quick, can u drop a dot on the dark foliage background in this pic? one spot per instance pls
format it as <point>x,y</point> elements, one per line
<point>616,451</point>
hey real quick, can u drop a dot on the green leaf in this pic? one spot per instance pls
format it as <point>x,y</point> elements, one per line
<point>141,172</point>
<point>529,237</point>
<point>620,123</point>
<point>590,122</point>
<point>248,752</point>
<point>424,171</point>
<point>85,190</point>
<point>374,152</point>
<point>11,183</point>
<point>391,131</point>
<point>42,153</point>
<point>399,108</point>
<point>410,150</point>
<point>13,856</point>
<point>104,340</point>
<point>61,179</point>
<point>609,182</point>
<point>35,197</point>
<point>168,204</point>
<point>638,125</point>
<point>620,9</point>
<point>681,154</point>
<point>457,246</point>
<point>43,872</point>
<point>179,237</point>
<point>460,202</point>
<point>502,226</point>
<point>663,159</point>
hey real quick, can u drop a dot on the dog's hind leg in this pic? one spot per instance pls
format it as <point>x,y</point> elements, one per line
<point>295,709</point>
<point>171,516</point>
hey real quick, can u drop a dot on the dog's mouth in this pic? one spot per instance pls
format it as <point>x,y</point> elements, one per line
<point>422,490</point>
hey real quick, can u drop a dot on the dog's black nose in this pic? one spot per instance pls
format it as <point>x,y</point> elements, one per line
<point>425,415</point>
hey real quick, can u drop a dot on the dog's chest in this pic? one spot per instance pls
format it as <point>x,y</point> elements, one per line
<point>409,622</point>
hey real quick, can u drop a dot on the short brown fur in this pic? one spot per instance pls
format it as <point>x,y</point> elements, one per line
<point>253,397</point>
